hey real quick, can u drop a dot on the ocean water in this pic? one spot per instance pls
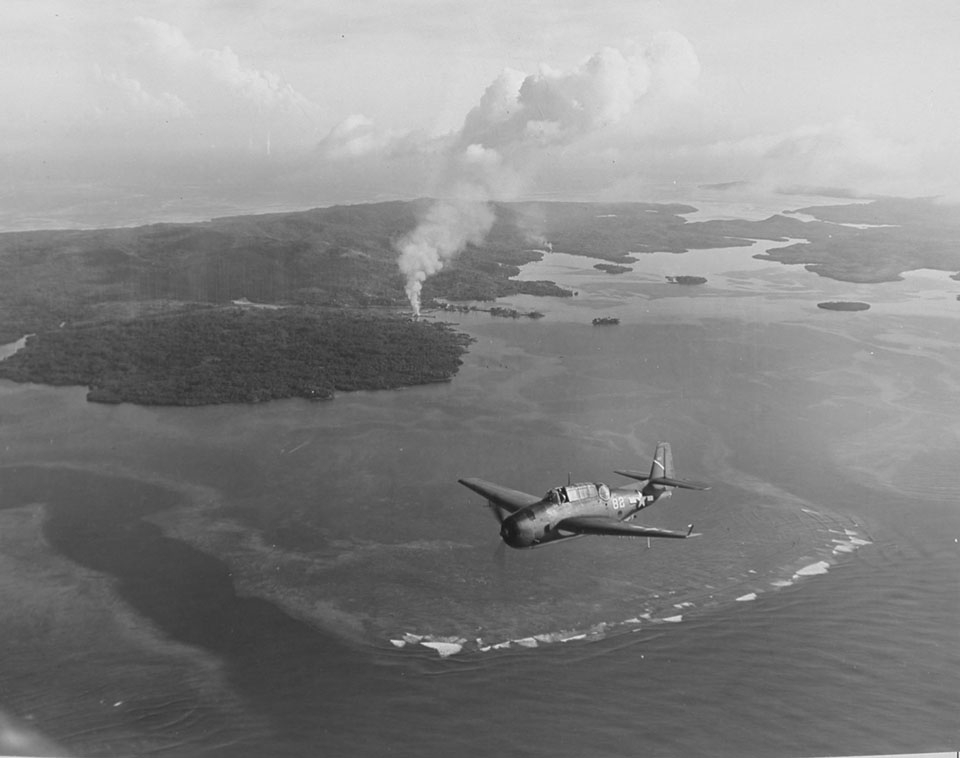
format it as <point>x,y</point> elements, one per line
<point>298,578</point>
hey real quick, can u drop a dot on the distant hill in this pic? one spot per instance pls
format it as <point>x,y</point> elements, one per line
<point>340,256</point>
<point>344,255</point>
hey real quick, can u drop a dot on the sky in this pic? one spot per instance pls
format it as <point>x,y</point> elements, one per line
<point>314,102</point>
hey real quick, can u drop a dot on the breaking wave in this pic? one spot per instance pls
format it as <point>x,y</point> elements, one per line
<point>654,614</point>
<point>451,598</point>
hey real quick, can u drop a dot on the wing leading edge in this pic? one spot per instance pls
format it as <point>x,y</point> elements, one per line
<point>609,526</point>
<point>503,497</point>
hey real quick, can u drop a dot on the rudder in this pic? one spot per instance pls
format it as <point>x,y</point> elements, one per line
<point>662,466</point>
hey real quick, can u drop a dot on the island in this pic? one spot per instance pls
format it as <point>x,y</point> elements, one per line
<point>842,305</point>
<point>875,241</point>
<point>687,280</point>
<point>612,268</point>
<point>234,354</point>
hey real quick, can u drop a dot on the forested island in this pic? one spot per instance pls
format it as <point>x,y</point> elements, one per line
<point>612,268</point>
<point>239,355</point>
<point>843,305</point>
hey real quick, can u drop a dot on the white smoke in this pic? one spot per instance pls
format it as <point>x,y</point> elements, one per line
<point>448,227</point>
<point>517,119</point>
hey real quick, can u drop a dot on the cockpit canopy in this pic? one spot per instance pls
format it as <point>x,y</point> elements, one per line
<point>575,492</point>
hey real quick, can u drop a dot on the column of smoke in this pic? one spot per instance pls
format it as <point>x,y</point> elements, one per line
<point>446,228</point>
<point>517,118</point>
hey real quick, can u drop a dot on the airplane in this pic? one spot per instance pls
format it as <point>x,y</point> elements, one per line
<point>577,510</point>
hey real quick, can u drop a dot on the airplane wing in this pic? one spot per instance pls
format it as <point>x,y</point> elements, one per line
<point>503,497</point>
<point>609,526</point>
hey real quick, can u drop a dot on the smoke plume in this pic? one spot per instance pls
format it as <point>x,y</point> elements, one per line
<point>518,119</point>
<point>448,227</point>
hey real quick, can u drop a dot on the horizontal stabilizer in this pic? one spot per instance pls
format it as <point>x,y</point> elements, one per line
<point>682,483</point>
<point>638,475</point>
<point>665,481</point>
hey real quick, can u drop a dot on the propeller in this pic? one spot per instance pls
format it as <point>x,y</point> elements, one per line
<point>500,557</point>
<point>500,553</point>
<point>497,513</point>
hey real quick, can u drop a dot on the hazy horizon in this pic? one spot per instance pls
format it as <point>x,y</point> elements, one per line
<point>260,106</point>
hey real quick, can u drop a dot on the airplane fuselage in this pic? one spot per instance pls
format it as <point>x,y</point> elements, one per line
<point>586,508</point>
<point>539,524</point>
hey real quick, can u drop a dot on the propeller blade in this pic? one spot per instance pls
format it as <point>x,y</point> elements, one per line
<point>497,513</point>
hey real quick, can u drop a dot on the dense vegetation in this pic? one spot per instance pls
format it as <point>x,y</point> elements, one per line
<point>119,292</point>
<point>345,256</point>
<point>894,235</point>
<point>612,268</point>
<point>239,355</point>
<point>843,305</point>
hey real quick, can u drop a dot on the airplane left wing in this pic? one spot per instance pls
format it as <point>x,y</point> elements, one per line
<point>609,526</point>
<point>503,497</point>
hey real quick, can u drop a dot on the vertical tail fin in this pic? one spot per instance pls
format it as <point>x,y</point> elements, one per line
<point>662,475</point>
<point>662,466</point>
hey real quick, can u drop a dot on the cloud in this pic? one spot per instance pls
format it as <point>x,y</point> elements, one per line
<point>200,72</point>
<point>129,96</point>
<point>146,88</point>
<point>842,154</point>
<point>358,137</point>
<point>518,119</point>
<point>554,107</point>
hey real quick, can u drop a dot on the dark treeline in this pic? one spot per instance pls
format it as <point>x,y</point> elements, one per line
<point>239,355</point>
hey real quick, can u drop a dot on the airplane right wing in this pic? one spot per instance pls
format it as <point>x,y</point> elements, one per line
<point>612,527</point>
<point>503,497</point>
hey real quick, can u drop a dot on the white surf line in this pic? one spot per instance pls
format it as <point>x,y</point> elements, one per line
<point>814,569</point>
<point>446,646</point>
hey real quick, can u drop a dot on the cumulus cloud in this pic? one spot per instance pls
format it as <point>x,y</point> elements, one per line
<point>128,95</point>
<point>151,88</point>
<point>211,72</point>
<point>517,119</point>
<point>559,107</point>
<point>358,136</point>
